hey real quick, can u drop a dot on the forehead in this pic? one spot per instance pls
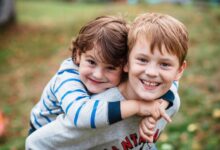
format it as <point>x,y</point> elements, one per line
<point>97,56</point>
<point>143,46</point>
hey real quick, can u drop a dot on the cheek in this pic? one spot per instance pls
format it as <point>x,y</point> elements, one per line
<point>85,67</point>
<point>83,71</point>
<point>81,75</point>
<point>115,78</point>
<point>136,70</point>
<point>169,76</point>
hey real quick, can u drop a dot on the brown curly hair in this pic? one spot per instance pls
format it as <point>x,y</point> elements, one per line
<point>108,34</point>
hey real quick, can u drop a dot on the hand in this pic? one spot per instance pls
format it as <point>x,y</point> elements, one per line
<point>164,115</point>
<point>149,108</point>
<point>155,108</point>
<point>146,128</point>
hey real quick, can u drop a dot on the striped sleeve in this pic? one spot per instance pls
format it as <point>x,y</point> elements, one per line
<point>171,94</point>
<point>82,110</point>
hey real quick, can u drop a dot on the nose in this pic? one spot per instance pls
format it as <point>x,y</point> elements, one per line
<point>98,73</point>
<point>151,70</point>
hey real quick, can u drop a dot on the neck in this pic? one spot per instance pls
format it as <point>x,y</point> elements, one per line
<point>127,91</point>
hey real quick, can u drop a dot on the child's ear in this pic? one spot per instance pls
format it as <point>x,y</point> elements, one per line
<point>181,70</point>
<point>126,68</point>
<point>78,56</point>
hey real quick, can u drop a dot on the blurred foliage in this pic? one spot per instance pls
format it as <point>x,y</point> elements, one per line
<point>31,51</point>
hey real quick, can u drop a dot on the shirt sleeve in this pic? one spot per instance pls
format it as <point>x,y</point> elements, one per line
<point>171,93</point>
<point>83,110</point>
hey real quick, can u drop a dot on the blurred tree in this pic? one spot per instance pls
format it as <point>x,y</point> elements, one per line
<point>7,12</point>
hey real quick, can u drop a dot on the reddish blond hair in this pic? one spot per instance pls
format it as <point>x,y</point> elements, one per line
<point>160,29</point>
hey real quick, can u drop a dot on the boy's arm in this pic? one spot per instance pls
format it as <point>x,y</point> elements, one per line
<point>86,111</point>
<point>102,109</point>
<point>79,107</point>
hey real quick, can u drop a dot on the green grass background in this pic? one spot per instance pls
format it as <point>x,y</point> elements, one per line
<point>31,51</point>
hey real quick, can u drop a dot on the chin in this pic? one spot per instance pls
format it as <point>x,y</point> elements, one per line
<point>92,91</point>
<point>149,97</point>
<point>96,91</point>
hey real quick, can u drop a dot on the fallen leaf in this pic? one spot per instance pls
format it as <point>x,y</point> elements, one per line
<point>192,127</point>
<point>216,113</point>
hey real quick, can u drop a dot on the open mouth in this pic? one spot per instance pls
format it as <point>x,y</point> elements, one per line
<point>150,84</point>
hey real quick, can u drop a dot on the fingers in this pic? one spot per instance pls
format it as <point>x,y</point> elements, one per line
<point>148,138</point>
<point>146,131</point>
<point>160,100</point>
<point>156,114</point>
<point>165,115</point>
<point>151,120</point>
<point>155,111</point>
<point>146,128</point>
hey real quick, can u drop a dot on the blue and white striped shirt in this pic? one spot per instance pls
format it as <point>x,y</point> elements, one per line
<point>65,93</point>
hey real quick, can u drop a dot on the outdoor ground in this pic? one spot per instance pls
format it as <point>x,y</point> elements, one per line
<point>32,50</point>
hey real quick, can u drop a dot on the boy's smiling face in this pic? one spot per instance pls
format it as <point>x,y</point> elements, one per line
<point>96,75</point>
<point>151,74</point>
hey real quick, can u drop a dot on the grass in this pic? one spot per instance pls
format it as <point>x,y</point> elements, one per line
<point>31,51</point>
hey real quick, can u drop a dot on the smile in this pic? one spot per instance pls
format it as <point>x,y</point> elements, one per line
<point>150,84</point>
<point>96,81</point>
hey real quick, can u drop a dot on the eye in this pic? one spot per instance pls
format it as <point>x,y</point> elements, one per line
<point>142,60</point>
<point>91,62</point>
<point>111,68</point>
<point>165,65</point>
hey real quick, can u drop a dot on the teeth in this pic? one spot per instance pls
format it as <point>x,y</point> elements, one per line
<point>150,83</point>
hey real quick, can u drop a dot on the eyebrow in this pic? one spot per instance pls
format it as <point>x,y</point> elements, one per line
<point>165,59</point>
<point>93,57</point>
<point>89,55</point>
<point>147,56</point>
<point>142,54</point>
